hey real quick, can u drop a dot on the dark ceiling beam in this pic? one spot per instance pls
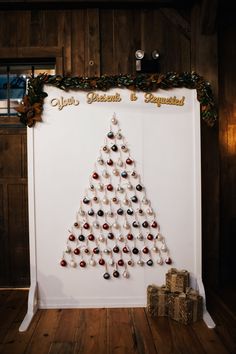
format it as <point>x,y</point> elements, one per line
<point>60,4</point>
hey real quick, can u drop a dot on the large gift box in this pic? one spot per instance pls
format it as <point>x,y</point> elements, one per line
<point>157,300</point>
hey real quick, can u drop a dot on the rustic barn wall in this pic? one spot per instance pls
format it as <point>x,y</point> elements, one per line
<point>94,41</point>
<point>227,124</point>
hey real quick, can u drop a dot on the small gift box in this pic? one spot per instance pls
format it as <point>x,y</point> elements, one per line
<point>177,280</point>
<point>157,300</point>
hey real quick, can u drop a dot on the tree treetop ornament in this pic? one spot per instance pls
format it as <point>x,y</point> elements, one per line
<point>31,107</point>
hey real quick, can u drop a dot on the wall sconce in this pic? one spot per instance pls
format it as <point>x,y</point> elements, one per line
<point>147,65</point>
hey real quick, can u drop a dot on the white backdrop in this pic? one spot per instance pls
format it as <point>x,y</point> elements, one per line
<point>165,143</point>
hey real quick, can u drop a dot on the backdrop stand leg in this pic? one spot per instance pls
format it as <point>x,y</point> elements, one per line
<point>206,316</point>
<point>32,308</point>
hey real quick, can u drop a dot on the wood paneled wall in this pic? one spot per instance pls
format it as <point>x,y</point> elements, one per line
<point>227,123</point>
<point>95,41</point>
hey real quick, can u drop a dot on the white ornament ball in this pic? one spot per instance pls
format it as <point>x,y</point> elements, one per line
<point>68,249</point>
<point>96,225</point>
<point>121,238</point>
<point>126,201</point>
<point>116,225</point>
<point>140,237</point>
<point>115,172</point>
<point>149,211</point>
<point>119,136</point>
<point>160,261</point>
<point>126,225</point>
<point>129,186</point>
<point>140,262</point>
<point>154,249</point>
<point>120,189</point>
<point>101,238</point>
<point>105,174</point>
<point>111,262</point>
<point>120,163</point>
<point>164,248</point>
<point>145,201</point>
<point>100,187</point>
<point>126,274</point>
<point>105,201</point>
<point>73,264</point>
<point>81,212</point>
<point>100,161</point>
<point>92,262</point>
<point>114,120</point>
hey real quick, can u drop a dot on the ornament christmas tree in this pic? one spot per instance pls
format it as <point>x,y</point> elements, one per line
<point>115,226</point>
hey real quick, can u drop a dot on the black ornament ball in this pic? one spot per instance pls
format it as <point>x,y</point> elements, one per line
<point>116,274</point>
<point>130,212</point>
<point>91,212</point>
<point>114,148</point>
<point>139,187</point>
<point>120,211</point>
<point>100,212</point>
<point>134,199</point>
<point>81,237</point>
<point>135,250</point>
<point>110,236</point>
<point>150,262</point>
<point>110,135</point>
<point>145,224</point>
<point>106,275</point>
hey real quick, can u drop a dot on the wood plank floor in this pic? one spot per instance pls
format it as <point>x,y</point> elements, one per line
<point>109,331</point>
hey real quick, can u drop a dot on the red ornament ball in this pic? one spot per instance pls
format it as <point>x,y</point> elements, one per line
<point>110,187</point>
<point>130,237</point>
<point>76,251</point>
<point>82,264</point>
<point>125,249</point>
<point>101,261</point>
<point>110,236</point>
<point>145,250</point>
<point>91,237</point>
<point>154,224</point>
<point>120,262</point>
<point>105,226</point>
<point>71,237</point>
<point>63,263</point>
<point>86,226</point>
<point>168,260</point>
<point>110,162</point>
<point>95,175</point>
<point>116,249</point>
<point>96,250</point>
<point>129,161</point>
<point>150,237</point>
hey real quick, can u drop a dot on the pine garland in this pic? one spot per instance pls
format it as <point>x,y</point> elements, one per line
<point>31,107</point>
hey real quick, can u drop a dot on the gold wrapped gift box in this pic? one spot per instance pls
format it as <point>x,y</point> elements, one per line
<point>184,306</point>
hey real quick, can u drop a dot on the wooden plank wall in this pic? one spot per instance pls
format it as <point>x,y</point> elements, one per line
<point>227,138</point>
<point>94,41</point>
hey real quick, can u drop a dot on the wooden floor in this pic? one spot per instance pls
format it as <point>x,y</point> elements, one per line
<point>109,331</point>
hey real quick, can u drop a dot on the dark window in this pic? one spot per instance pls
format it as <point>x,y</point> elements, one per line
<point>13,81</point>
